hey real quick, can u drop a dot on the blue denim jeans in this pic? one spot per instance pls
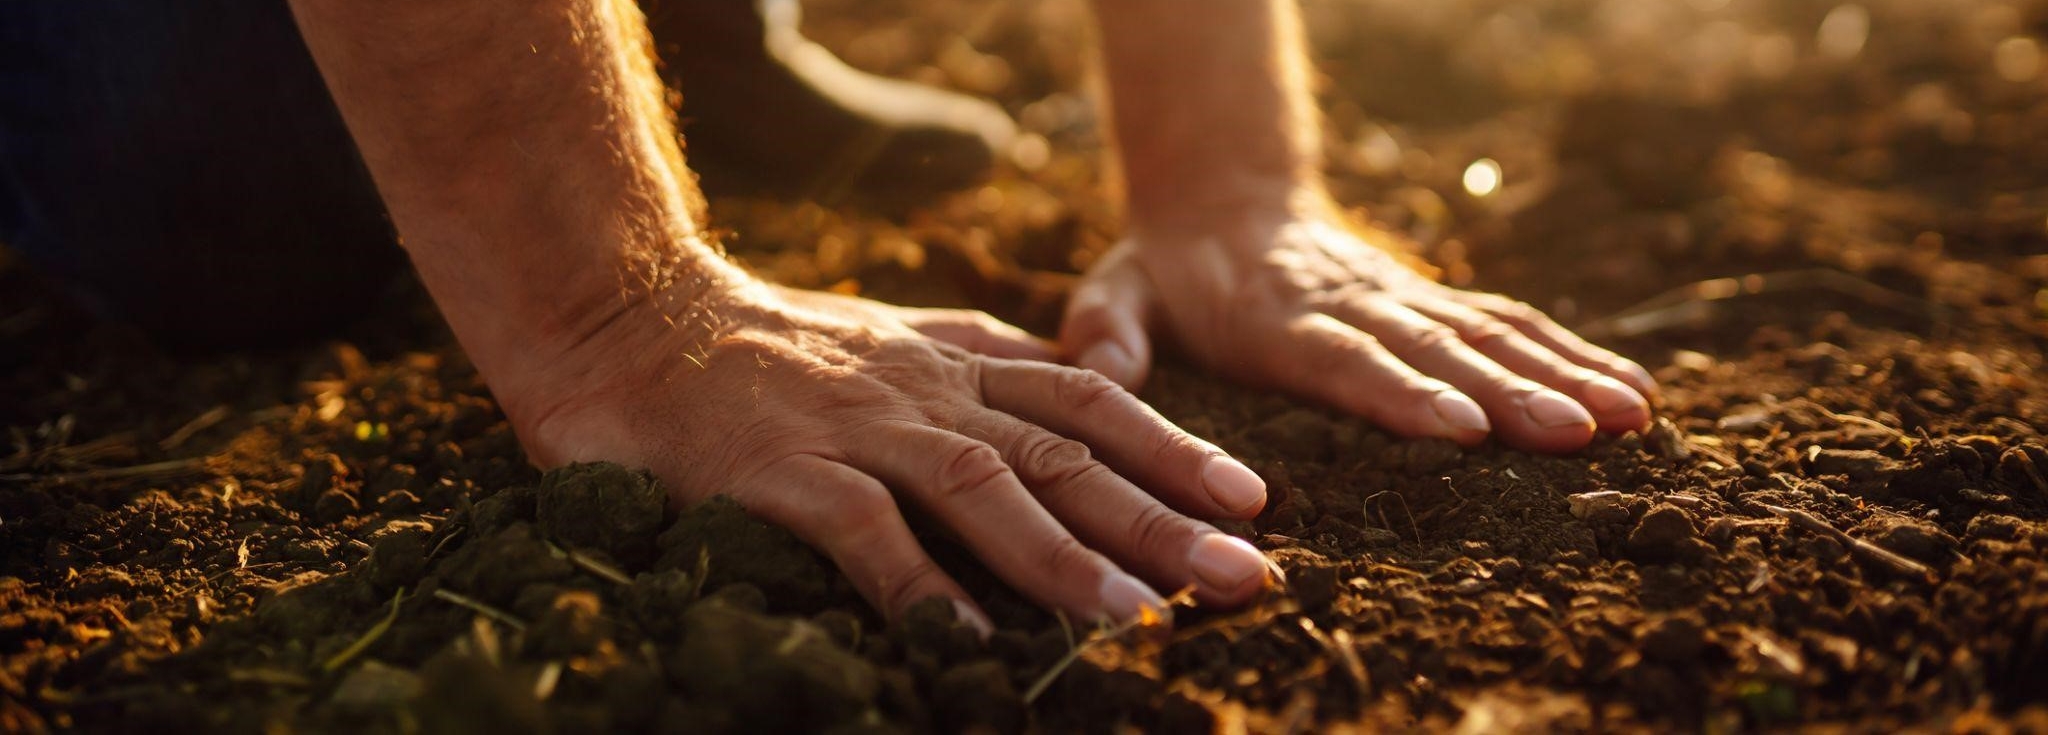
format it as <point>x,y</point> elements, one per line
<point>180,165</point>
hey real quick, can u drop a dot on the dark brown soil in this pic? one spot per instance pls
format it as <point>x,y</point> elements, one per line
<point>1840,520</point>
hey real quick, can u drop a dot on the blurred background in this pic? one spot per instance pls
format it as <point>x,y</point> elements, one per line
<point>1581,154</point>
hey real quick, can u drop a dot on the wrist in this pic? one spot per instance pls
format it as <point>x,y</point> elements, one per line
<point>578,385</point>
<point>597,317</point>
<point>1220,203</point>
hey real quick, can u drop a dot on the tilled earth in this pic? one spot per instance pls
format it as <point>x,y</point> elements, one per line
<point>1824,227</point>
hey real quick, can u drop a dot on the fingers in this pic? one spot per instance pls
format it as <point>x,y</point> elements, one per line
<point>1547,332</point>
<point>968,487</point>
<point>1109,514</point>
<point>1190,474</point>
<point>1104,328</point>
<point>852,519</point>
<point>1615,406</point>
<point>1328,360</point>
<point>1525,413</point>
<point>978,332</point>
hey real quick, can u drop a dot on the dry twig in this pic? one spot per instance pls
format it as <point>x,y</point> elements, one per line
<point>1879,554</point>
<point>171,468</point>
<point>1694,303</point>
<point>199,423</point>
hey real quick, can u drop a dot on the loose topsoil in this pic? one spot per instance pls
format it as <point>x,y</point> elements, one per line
<point>1838,520</point>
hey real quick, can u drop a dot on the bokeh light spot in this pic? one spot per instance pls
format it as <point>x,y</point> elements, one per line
<point>2017,59</point>
<point>1030,151</point>
<point>1843,32</point>
<point>1482,177</point>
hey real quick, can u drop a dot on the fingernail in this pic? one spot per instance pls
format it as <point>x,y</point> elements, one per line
<point>1124,599</point>
<point>1110,359</point>
<point>1551,410</point>
<point>1459,412</point>
<point>1225,563</point>
<point>1233,486</point>
<point>966,613</point>
<point>1607,396</point>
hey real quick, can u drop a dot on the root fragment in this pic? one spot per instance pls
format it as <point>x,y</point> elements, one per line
<point>1886,557</point>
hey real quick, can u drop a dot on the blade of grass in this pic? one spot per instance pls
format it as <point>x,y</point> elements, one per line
<point>370,636</point>
<point>456,598</point>
<point>1147,618</point>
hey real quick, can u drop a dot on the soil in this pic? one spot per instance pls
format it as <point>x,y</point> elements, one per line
<point>1839,521</point>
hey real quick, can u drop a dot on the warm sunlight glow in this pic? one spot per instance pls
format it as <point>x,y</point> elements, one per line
<point>2017,59</point>
<point>1843,32</point>
<point>1482,177</point>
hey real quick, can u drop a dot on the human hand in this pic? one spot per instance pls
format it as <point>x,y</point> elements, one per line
<point>1287,297</point>
<point>822,413</point>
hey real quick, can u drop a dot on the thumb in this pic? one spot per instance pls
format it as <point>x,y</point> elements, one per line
<point>1104,328</point>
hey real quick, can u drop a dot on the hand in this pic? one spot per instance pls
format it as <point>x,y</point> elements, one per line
<point>823,413</point>
<point>1277,297</point>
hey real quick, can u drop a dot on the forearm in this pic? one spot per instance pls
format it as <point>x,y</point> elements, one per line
<point>1210,102</point>
<point>525,156</point>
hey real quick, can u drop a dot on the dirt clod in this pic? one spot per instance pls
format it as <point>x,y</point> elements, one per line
<point>601,506</point>
<point>397,560</point>
<point>732,546</point>
<point>1674,638</point>
<point>499,567</point>
<point>1859,465</point>
<point>775,674</point>
<point>1997,527</point>
<point>464,691</point>
<point>1916,539</point>
<point>978,695</point>
<point>1666,533</point>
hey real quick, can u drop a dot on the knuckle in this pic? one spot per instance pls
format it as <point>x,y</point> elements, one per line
<point>1517,312</point>
<point>1325,354</point>
<point>857,509</point>
<point>1079,389</point>
<point>1422,389</point>
<point>1053,457</point>
<point>1171,446</point>
<point>1432,338</point>
<point>1488,333</point>
<point>1518,388</point>
<point>1158,529</point>
<point>1583,375</point>
<point>1072,487</point>
<point>969,469</point>
<point>1065,558</point>
<point>1321,364</point>
<point>899,591</point>
<point>1486,301</point>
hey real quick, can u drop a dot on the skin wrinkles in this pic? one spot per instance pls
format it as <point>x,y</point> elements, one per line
<point>532,168</point>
